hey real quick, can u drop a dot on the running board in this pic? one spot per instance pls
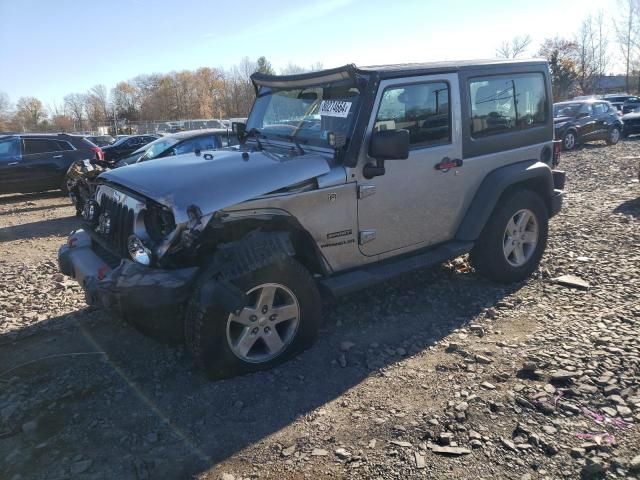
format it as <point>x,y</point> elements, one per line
<point>342,284</point>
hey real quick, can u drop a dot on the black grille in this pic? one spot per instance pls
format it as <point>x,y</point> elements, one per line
<point>121,224</point>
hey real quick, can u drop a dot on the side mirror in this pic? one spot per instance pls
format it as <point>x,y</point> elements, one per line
<point>386,145</point>
<point>240,129</point>
<point>389,145</point>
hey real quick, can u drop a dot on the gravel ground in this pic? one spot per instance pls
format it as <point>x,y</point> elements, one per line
<point>439,374</point>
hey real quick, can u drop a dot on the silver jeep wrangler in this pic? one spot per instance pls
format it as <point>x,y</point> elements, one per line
<point>344,178</point>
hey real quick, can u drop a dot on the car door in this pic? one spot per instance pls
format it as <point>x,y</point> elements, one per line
<point>43,164</point>
<point>606,117</point>
<point>413,204</point>
<point>10,157</point>
<point>586,122</point>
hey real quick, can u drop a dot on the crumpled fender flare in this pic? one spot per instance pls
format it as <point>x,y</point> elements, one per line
<point>236,259</point>
<point>493,186</point>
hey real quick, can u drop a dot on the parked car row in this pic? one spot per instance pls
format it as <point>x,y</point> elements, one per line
<point>623,102</point>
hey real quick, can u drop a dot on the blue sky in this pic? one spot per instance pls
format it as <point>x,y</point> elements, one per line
<point>49,48</point>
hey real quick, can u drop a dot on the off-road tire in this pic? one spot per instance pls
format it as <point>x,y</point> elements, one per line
<point>488,257</point>
<point>613,139</point>
<point>206,326</point>
<point>573,145</point>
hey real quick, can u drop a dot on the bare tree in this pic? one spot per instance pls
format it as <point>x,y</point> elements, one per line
<point>30,112</point>
<point>513,48</point>
<point>292,69</point>
<point>75,105</point>
<point>100,98</point>
<point>627,32</point>
<point>5,110</point>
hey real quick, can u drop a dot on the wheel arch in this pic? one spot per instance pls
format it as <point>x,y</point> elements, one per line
<point>530,174</point>
<point>304,247</point>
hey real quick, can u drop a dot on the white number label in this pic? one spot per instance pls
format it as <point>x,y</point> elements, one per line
<point>334,108</point>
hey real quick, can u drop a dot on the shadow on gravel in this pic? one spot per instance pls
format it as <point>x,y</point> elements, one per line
<point>28,197</point>
<point>43,228</point>
<point>630,207</point>
<point>144,404</point>
<point>32,209</point>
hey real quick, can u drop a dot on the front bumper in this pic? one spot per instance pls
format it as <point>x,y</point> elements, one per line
<point>129,288</point>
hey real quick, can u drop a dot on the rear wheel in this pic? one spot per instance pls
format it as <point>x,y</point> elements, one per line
<point>513,240</point>
<point>281,319</point>
<point>614,136</point>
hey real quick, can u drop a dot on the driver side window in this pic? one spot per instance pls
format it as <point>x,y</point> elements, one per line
<point>422,109</point>
<point>9,149</point>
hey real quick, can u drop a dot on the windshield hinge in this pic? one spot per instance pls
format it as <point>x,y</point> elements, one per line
<point>366,236</point>
<point>366,191</point>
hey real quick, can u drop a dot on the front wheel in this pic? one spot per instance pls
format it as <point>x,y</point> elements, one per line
<point>281,319</point>
<point>513,240</point>
<point>614,136</point>
<point>570,140</point>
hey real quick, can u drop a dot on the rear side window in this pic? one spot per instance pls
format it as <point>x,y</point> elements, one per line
<point>505,103</point>
<point>423,109</point>
<point>65,146</point>
<point>83,143</point>
<point>40,145</point>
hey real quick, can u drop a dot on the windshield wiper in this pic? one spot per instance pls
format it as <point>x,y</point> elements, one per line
<point>294,139</point>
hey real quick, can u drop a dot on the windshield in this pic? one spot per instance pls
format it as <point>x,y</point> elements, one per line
<point>307,114</point>
<point>156,147</point>
<point>566,109</point>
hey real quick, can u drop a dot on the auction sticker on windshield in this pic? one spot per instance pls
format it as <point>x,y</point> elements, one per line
<point>334,108</point>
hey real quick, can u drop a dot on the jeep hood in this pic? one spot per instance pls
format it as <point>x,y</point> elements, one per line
<point>214,183</point>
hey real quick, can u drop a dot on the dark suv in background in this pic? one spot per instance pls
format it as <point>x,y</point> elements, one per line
<point>123,147</point>
<point>585,121</point>
<point>32,162</point>
<point>101,140</point>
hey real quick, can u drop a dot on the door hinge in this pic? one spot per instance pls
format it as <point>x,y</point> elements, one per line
<point>366,190</point>
<point>366,236</point>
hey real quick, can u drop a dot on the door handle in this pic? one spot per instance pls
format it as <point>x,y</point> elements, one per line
<point>57,156</point>
<point>446,163</point>
<point>12,164</point>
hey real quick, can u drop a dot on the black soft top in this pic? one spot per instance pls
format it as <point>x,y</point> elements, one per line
<point>385,71</point>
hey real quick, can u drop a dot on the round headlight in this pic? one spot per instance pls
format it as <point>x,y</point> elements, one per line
<point>139,253</point>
